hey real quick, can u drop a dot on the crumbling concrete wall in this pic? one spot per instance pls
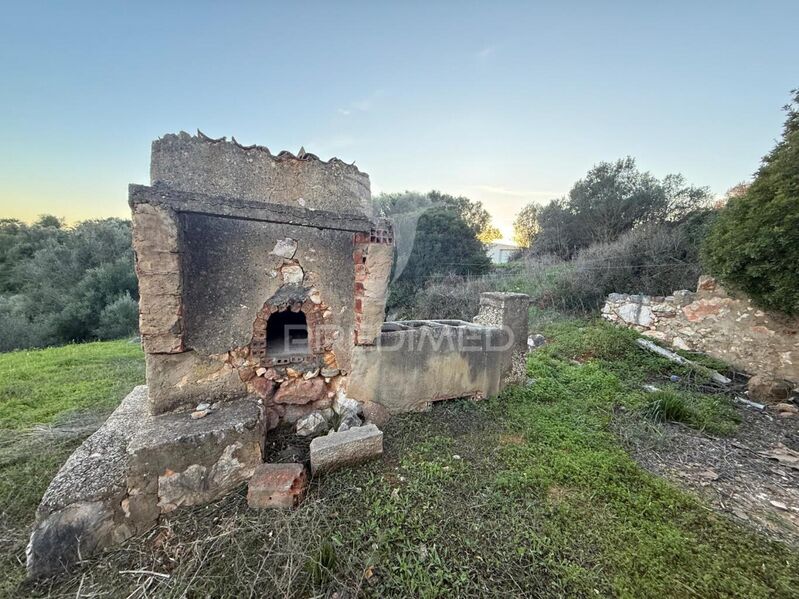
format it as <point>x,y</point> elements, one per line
<point>415,363</point>
<point>511,312</point>
<point>158,267</point>
<point>218,167</point>
<point>714,322</point>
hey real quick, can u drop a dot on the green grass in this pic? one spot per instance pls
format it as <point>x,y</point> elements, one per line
<point>38,385</point>
<point>529,494</point>
<point>71,387</point>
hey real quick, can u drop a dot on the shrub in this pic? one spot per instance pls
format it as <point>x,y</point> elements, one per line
<point>118,319</point>
<point>56,282</point>
<point>453,297</point>
<point>754,245</point>
<point>16,329</point>
<point>654,260</point>
<point>666,406</point>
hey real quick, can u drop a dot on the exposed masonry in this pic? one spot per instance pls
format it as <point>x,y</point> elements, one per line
<point>714,322</point>
<point>263,282</point>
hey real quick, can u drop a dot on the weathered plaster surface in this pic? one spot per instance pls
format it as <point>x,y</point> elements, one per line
<point>195,163</point>
<point>136,467</point>
<point>415,363</point>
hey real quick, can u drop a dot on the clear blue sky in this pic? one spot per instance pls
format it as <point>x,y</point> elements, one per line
<point>504,102</point>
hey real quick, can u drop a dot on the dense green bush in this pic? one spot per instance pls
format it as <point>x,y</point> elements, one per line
<point>60,284</point>
<point>754,245</point>
<point>436,236</point>
<point>653,260</point>
<point>119,318</point>
<point>612,199</point>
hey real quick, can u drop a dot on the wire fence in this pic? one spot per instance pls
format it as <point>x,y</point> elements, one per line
<point>580,285</point>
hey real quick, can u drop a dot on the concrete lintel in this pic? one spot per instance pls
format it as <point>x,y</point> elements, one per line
<point>237,208</point>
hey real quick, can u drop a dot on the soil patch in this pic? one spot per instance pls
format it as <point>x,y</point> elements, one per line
<point>752,475</point>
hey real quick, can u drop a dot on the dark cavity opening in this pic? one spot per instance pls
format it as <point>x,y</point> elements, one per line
<point>286,334</point>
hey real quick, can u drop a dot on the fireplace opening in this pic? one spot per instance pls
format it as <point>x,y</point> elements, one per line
<point>286,334</point>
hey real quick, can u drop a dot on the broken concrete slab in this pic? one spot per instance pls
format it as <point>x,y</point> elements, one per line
<point>336,450</point>
<point>137,467</point>
<point>277,486</point>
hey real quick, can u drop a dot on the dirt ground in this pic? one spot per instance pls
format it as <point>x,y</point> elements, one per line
<point>752,475</point>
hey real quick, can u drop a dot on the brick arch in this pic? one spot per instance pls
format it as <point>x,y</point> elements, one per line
<point>293,301</point>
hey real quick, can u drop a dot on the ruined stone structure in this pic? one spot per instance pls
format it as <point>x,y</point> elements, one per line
<point>714,322</point>
<point>263,283</point>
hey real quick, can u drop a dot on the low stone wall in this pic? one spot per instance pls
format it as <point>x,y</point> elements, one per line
<point>419,362</point>
<point>716,323</point>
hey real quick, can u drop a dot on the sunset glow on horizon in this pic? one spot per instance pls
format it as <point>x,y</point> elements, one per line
<point>503,106</point>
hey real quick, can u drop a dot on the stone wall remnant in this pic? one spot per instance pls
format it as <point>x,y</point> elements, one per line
<point>727,327</point>
<point>197,163</point>
<point>353,446</point>
<point>137,467</point>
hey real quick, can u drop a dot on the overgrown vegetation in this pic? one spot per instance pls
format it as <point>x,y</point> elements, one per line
<point>754,245</point>
<point>529,494</point>
<point>612,199</point>
<point>653,261</point>
<point>620,230</point>
<point>59,284</point>
<point>436,234</point>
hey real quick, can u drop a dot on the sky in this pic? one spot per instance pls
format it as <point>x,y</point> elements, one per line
<point>503,102</point>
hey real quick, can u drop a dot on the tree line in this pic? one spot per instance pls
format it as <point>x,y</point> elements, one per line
<point>60,284</point>
<point>618,229</point>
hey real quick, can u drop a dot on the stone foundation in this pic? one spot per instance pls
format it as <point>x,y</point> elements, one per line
<point>713,322</point>
<point>134,469</point>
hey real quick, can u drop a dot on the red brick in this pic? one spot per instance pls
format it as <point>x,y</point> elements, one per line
<point>277,486</point>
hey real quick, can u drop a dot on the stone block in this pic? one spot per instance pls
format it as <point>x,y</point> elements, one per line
<point>765,389</point>
<point>379,259</point>
<point>300,391</point>
<point>277,486</point>
<point>311,425</point>
<point>185,379</point>
<point>285,248</point>
<point>375,414</point>
<point>155,229</point>
<point>347,448</point>
<point>136,467</point>
<point>61,539</point>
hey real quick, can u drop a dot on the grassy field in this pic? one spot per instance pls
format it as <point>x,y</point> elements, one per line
<point>38,386</point>
<point>50,400</point>
<point>529,494</point>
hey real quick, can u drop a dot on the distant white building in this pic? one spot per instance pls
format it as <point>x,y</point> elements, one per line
<point>500,253</point>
